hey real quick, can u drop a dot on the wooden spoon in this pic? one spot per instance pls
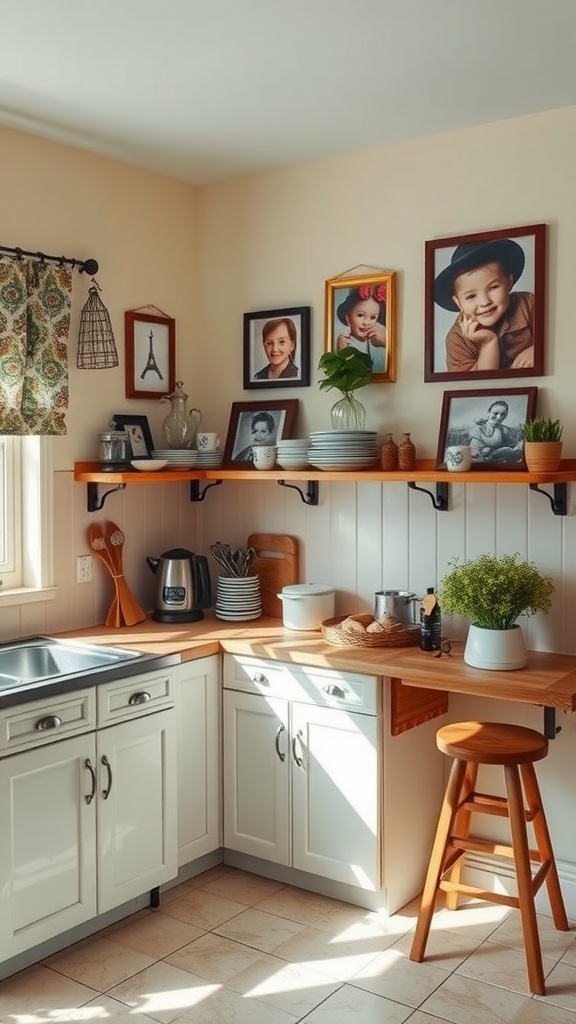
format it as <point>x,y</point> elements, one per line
<point>124,607</point>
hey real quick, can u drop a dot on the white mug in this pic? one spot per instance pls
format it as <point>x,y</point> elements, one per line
<point>207,442</point>
<point>264,456</point>
<point>459,458</point>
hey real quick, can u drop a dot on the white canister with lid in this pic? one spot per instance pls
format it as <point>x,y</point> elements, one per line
<point>306,605</point>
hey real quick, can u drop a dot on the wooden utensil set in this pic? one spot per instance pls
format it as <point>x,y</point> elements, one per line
<point>107,542</point>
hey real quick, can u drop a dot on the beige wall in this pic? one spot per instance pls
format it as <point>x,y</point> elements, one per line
<point>142,230</point>
<point>272,240</point>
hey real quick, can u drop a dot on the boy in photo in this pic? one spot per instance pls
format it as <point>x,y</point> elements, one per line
<point>494,326</point>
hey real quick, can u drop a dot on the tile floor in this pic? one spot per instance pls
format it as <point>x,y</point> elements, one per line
<point>229,946</point>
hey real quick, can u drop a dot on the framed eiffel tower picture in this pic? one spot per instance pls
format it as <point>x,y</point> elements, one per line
<point>150,360</point>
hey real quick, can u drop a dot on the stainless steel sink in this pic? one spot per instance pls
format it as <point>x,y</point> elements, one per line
<point>39,658</point>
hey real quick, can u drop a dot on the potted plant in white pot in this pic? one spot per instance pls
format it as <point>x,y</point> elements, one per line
<point>346,370</point>
<point>492,592</point>
<point>542,444</point>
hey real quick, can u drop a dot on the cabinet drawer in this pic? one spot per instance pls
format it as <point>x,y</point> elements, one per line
<point>307,684</point>
<point>44,721</point>
<point>133,697</point>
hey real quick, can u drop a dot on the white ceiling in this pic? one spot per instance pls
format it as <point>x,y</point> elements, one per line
<point>210,89</point>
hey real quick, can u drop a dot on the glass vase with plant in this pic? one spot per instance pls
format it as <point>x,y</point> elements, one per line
<point>493,591</point>
<point>346,370</point>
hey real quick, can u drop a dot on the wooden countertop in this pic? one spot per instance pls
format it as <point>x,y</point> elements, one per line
<point>548,680</point>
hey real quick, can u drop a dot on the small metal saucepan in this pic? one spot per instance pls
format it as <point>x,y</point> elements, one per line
<point>399,603</point>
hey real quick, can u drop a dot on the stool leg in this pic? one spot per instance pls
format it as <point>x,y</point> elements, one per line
<point>544,844</point>
<point>462,828</point>
<point>434,873</point>
<point>524,880</point>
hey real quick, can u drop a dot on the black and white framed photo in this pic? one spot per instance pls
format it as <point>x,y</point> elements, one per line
<point>138,431</point>
<point>489,421</point>
<point>277,348</point>
<point>257,423</point>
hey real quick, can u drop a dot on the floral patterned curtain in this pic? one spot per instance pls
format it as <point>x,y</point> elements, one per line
<point>34,323</point>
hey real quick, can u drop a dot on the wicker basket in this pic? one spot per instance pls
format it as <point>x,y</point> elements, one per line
<point>395,635</point>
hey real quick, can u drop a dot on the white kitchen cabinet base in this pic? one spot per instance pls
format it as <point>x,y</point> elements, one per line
<point>312,883</point>
<point>198,698</point>
<point>319,790</point>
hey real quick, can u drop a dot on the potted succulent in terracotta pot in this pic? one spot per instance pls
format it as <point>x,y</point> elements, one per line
<point>542,444</point>
<point>492,592</point>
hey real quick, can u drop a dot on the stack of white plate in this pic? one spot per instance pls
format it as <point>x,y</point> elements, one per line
<point>343,449</point>
<point>293,454</point>
<point>177,458</point>
<point>238,598</point>
<point>209,459</point>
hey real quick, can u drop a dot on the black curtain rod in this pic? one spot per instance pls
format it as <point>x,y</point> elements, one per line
<point>86,266</point>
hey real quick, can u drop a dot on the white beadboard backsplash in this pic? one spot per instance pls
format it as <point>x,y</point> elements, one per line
<point>361,537</point>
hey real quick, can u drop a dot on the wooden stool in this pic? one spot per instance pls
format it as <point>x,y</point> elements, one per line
<point>515,748</point>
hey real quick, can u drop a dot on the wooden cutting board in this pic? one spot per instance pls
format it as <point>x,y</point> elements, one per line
<point>277,563</point>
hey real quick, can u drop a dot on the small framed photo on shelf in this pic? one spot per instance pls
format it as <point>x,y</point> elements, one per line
<point>150,354</point>
<point>490,423</point>
<point>484,310</point>
<point>138,430</point>
<point>254,423</point>
<point>277,348</point>
<point>360,311</point>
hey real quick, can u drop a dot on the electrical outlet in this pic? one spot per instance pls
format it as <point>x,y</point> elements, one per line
<point>84,569</point>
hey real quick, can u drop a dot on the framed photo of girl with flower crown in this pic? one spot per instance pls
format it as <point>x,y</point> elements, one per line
<point>360,311</point>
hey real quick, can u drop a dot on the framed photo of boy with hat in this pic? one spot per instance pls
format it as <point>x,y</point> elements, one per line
<point>360,311</point>
<point>485,305</point>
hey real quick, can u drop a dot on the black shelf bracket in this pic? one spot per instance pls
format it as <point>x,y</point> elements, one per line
<point>439,500</point>
<point>94,502</point>
<point>558,503</point>
<point>310,497</point>
<point>551,730</point>
<point>196,494</point>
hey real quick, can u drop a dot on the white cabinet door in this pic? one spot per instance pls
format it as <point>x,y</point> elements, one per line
<point>137,838</point>
<point>198,746</point>
<point>336,795</point>
<point>256,776</point>
<point>47,843</point>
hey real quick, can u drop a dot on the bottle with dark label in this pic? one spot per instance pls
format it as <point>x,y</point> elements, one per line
<point>430,622</point>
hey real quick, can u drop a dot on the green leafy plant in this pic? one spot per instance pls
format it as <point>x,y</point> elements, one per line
<point>542,429</point>
<point>346,370</point>
<point>493,591</point>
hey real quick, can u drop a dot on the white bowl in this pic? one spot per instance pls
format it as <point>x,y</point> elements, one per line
<point>148,465</point>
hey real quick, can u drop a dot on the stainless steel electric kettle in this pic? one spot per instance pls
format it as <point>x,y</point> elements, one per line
<point>182,586</point>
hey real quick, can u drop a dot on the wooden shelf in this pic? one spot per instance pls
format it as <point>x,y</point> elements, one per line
<point>425,472</point>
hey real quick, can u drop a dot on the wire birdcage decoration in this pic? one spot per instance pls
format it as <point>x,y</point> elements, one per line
<point>96,345</point>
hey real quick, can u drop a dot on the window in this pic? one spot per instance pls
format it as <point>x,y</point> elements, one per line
<point>25,519</point>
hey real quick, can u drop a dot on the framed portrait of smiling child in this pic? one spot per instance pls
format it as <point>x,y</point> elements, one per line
<point>360,312</point>
<point>485,305</point>
<point>277,348</point>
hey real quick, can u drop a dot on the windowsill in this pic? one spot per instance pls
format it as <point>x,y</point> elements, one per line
<point>26,595</point>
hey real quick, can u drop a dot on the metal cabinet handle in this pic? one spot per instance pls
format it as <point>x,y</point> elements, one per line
<point>88,764</point>
<point>106,763</point>
<point>142,697</point>
<point>50,722</point>
<point>279,732</point>
<point>259,677</point>
<point>297,739</point>
<point>334,691</point>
